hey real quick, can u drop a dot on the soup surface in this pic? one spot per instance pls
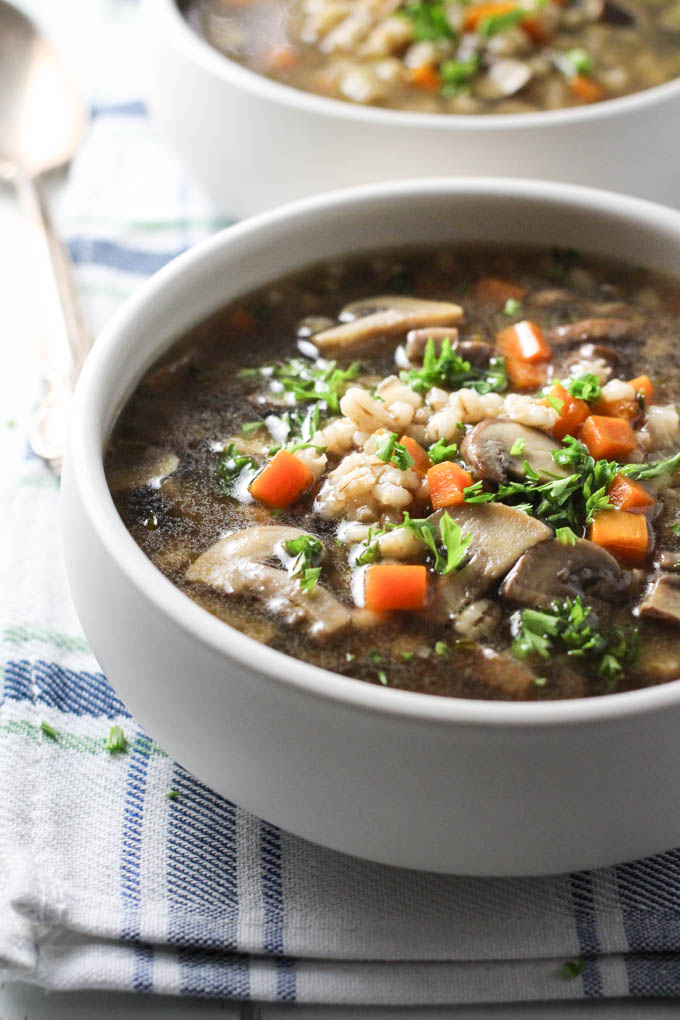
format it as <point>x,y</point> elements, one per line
<point>451,471</point>
<point>456,57</point>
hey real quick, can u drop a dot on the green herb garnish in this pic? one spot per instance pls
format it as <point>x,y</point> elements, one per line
<point>573,968</point>
<point>250,427</point>
<point>457,74</point>
<point>392,451</point>
<point>566,536</point>
<point>230,466</point>
<point>428,18</point>
<point>584,387</point>
<point>173,795</point>
<point>441,648</point>
<point>572,627</point>
<point>512,307</point>
<point>449,370</point>
<point>49,730</point>
<point>441,451</point>
<point>578,60</point>
<point>307,551</point>
<point>517,447</point>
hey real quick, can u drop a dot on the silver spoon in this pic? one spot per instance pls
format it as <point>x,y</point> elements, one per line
<point>41,123</point>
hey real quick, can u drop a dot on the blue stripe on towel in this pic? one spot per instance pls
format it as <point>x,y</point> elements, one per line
<point>649,894</point>
<point>131,860</point>
<point>584,917</point>
<point>653,975</point>
<point>132,109</point>
<point>93,251</point>
<point>202,875</point>
<point>215,976</point>
<point>74,691</point>
<point>271,863</point>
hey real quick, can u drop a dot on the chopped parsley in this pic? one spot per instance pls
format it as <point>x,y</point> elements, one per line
<point>573,968</point>
<point>173,795</point>
<point>674,528</point>
<point>584,387</point>
<point>230,466</point>
<point>49,730</point>
<point>572,626</point>
<point>449,370</point>
<point>250,427</point>
<point>441,451</point>
<point>457,74</point>
<point>577,61</point>
<point>307,551</point>
<point>382,677</point>
<point>446,544</point>
<point>492,24</point>
<point>640,472</point>
<point>394,452</point>
<point>512,307</point>
<point>555,403</point>
<point>517,447</point>
<point>428,18</point>
<point>310,382</point>
<point>566,536</point>
<point>441,648</point>
<point>115,742</point>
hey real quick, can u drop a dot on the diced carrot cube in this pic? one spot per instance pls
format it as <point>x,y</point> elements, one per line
<point>524,340</point>
<point>643,384</point>
<point>608,438</point>
<point>628,409</point>
<point>623,534</point>
<point>525,376</point>
<point>447,481</point>
<point>240,318</point>
<point>282,481</point>
<point>424,77</point>
<point>585,89</point>
<point>491,288</point>
<point>625,494</point>
<point>574,412</point>
<point>476,13</point>
<point>421,461</point>
<point>396,586</point>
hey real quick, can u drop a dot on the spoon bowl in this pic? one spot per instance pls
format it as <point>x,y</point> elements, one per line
<point>41,123</point>
<point>41,115</point>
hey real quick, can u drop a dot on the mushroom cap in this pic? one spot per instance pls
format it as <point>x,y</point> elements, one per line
<point>486,448</point>
<point>384,315</point>
<point>593,331</point>
<point>554,571</point>
<point>235,565</point>
<point>662,601</point>
<point>499,536</point>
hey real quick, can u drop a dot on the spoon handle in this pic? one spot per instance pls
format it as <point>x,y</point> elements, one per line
<point>64,340</point>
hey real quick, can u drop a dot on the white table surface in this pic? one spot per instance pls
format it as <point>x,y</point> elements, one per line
<point>18,386</point>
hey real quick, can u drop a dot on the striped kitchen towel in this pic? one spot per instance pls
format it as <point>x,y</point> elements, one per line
<point>121,870</point>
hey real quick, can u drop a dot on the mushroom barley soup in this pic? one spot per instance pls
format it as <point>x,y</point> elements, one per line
<point>451,56</point>
<point>451,471</point>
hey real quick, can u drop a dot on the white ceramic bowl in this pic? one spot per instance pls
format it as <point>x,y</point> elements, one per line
<point>427,782</point>
<point>255,143</point>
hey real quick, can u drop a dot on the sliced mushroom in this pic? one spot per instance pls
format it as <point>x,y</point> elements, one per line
<point>667,559</point>
<point>614,14</point>
<point>505,77</point>
<point>590,352</point>
<point>477,352</point>
<point>385,315</point>
<point>499,536</point>
<point>237,565</point>
<point>486,448</point>
<point>593,331</point>
<point>555,571</point>
<point>663,600</point>
<point>552,297</point>
<point>501,672</point>
<point>151,468</point>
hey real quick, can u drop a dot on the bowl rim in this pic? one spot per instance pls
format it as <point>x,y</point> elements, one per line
<point>216,63</point>
<point>85,464</point>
